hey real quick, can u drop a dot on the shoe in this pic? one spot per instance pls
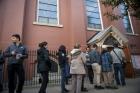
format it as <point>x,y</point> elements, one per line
<point>118,84</point>
<point>42,92</point>
<point>40,80</point>
<point>95,86</point>
<point>108,87</point>
<point>1,89</point>
<point>84,90</point>
<point>66,90</point>
<point>18,92</point>
<point>113,87</point>
<point>123,85</point>
<point>99,87</point>
<point>91,82</point>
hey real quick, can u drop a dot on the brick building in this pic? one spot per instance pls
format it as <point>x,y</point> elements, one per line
<point>68,22</point>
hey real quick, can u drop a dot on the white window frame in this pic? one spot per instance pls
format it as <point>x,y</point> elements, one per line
<point>100,13</point>
<point>130,23</point>
<point>48,24</point>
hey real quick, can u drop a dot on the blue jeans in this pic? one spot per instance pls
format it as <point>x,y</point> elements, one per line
<point>63,79</point>
<point>119,74</point>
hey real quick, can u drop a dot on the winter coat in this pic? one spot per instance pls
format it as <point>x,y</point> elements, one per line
<point>19,50</point>
<point>62,58</point>
<point>106,62</point>
<point>43,60</point>
<point>94,56</point>
<point>77,62</point>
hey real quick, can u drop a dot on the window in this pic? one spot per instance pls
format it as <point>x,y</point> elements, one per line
<point>47,12</point>
<point>126,19</point>
<point>93,14</point>
<point>136,61</point>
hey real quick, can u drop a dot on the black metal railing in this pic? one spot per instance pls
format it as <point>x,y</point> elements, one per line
<point>31,76</point>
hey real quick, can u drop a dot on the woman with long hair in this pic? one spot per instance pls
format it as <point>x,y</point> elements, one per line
<point>63,63</point>
<point>43,65</point>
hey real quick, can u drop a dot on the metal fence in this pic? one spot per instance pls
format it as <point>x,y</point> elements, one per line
<point>31,76</point>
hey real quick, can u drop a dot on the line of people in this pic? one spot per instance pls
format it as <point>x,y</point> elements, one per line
<point>105,67</point>
<point>102,67</point>
<point>16,53</point>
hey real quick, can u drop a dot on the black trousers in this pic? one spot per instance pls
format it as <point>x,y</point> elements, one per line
<point>16,72</point>
<point>90,73</point>
<point>82,85</point>
<point>45,80</point>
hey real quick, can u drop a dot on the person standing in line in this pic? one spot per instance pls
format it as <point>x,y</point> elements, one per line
<point>63,63</point>
<point>83,88</point>
<point>106,65</point>
<point>88,65</point>
<point>118,56</point>
<point>2,60</point>
<point>44,65</point>
<point>77,69</point>
<point>96,66</point>
<point>16,54</point>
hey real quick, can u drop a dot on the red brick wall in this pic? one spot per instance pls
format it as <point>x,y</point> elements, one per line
<point>11,20</point>
<point>72,19</point>
<point>19,17</point>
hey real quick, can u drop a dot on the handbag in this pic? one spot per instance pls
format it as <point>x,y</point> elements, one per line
<point>122,61</point>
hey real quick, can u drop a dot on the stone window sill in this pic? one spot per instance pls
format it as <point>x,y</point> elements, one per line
<point>50,25</point>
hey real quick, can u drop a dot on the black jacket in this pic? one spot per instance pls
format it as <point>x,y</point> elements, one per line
<point>20,49</point>
<point>43,60</point>
<point>2,59</point>
<point>62,58</point>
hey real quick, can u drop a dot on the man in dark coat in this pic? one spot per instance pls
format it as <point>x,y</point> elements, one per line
<point>16,54</point>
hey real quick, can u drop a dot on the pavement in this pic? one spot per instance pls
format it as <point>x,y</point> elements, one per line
<point>133,86</point>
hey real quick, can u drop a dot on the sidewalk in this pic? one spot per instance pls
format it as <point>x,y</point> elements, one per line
<point>133,86</point>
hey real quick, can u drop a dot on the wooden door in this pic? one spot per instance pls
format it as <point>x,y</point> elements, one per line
<point>129,70</point>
